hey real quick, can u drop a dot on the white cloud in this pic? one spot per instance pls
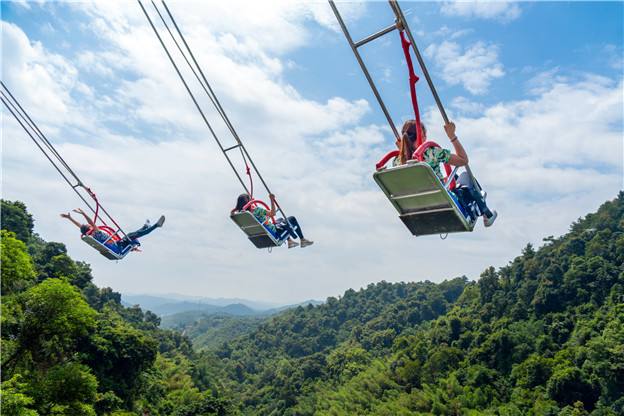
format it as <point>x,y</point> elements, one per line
<point>545,80</point>
<point>474,68</point>
<point>567,140</point>
<point>447,32</point>
<point>27,64</point>
<point>483,9</point>
<point>466,106</point>
<point>614,56</point>
<point>544,161</point>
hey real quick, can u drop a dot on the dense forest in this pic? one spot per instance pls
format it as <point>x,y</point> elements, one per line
<point>543,335</point>
<point>71,348</point>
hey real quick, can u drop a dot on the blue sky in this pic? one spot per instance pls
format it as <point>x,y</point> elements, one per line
<point>535,90</point>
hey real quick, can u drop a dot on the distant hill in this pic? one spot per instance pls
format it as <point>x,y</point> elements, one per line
<point>543,335</point>
<point>166,306</point>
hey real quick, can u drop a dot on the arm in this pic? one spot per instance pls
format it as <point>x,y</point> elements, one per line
<point>73,221</point>
<point>272,212</point>
<point>89,220</point>
<point>459,158</point>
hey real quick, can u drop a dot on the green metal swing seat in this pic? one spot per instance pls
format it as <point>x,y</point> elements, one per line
<point>424,203</point>
<point>257,233</point>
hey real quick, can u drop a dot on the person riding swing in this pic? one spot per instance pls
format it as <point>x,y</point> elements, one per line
<point>116,245</point>
<point>291,225</point>
<point>434,156</point>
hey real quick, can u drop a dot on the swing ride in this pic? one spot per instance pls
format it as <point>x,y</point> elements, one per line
<point>426,202</point>
<point>107,248</point>
<point>259,234</point>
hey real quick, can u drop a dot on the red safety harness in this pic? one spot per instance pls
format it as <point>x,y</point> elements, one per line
<point>252,204</point>
<point>114,236</point>
<point>421,145</point>
<point>413,79</point>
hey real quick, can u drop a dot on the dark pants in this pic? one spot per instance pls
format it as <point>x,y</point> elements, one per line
<point>292,226</point>
<point>468,194</point>
<point>131,238</point>
<point>145,230</point>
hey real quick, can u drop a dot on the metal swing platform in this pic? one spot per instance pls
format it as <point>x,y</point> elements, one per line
<point>257,233</point>
<point>423,202</point>
<point>106,251</point>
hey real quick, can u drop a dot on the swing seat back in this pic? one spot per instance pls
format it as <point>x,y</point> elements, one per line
<point>107,251</point>
<point>257,233</point>
<point>423,203</point>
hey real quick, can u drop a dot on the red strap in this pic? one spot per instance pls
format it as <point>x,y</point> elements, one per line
<point>96,216</point>
<point>97,205</point>
<point>412,81</point>
<point>250,179</point>
<point>252,204</point>
<point>386,158</point>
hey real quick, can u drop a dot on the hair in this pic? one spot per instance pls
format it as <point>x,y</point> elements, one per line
<point>407,147</point>
<point>241,201</point>
<point>84,229</point>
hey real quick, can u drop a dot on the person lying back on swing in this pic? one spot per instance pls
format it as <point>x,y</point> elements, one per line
<point>434,156</point>
<point>103,237</point>
<point>264,217</point>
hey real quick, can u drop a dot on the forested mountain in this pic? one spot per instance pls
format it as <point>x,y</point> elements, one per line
<point>163,306</point>
<point>71,348</point>
<point>543,335</point>
<point>211,331</point>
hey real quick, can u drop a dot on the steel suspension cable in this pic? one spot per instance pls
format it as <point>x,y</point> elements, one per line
<point>207,89</point>
<point>225,117</point>
<point>210,96</point>
<point>201,112</point>
<point>394,5</point>
<point>216,101</point>
<point>36,135</point>
<point>36,130</point>
<point>210,92</point>
<point>217,104</point>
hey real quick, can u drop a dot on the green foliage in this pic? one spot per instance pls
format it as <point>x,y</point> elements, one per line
<point>14,398</point>
<point>71,348</point>
<point>211,331</point>
<point>66,389</point>
<point>543,335</point>
<point>56,319</point>
<point>569,385</point>
<point>15,218</point>
<point>16,265</point>
<point>118,353</point>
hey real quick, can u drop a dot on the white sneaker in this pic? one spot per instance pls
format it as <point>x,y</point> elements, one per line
<point>489,221</point>
<point>292,244</point>
<point>305,243</point>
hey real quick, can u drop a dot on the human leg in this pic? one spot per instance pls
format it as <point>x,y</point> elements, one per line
<point>467,186</point>
<point>480,201</point>
<point>297,228</point>
<point>146,229</point>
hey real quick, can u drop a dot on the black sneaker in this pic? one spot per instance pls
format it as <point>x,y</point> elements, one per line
<point>160,221</point>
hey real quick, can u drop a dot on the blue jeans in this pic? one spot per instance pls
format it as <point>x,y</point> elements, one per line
<point>145,230</point>
<point>131,238</point>
<point>292,226</point>
<point>467,194</point>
